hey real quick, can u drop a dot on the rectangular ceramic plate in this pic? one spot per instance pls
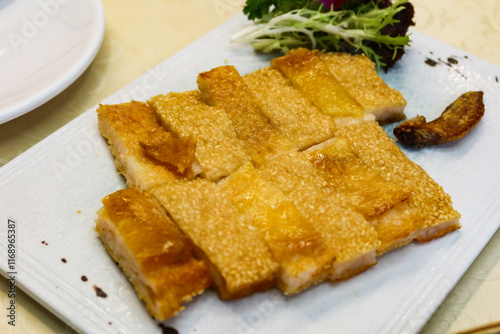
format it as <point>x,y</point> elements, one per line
<point>53,191</point>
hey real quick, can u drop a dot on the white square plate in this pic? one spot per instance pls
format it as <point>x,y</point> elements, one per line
<point>53,191</point>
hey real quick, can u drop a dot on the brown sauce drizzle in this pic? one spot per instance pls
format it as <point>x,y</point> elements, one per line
<point>431,62</point>
<point>450,62</point>
<point>168,329</point>
<point>99,292</point>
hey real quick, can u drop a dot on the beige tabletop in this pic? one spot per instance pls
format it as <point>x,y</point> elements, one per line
<point>141,34</point>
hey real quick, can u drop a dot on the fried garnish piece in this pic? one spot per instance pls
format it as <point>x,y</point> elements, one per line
<point>287,108</point>
<point>358,75</point>
<point>311,75</point>
<point>373,146</point>
<point>218,150</point>
<point>455,122</point>
<point>294,242</point>
<point>153,253</point>
<point>384,204</point>
<point>164,147</point>
<point>239,260</point>
<point>125,126</point>
<point>223,87</point>
<point>346,232</point>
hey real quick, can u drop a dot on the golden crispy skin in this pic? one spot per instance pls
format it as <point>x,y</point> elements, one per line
<point>374,147</point>
<point>360,185</point>
<point>164,147</point>
<point>312,76</point>
<point>357,74</point>
<point>152,252</point>
<point>218,150</point>
<point>455,122</point>
<point>295,244</point>
<point>126,126</point>
<point>287,108</point>
<point>223,87</point>
<point>240,261</point>
<point>346,232</point>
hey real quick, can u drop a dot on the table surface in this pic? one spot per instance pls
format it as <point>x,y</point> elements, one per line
<point>141,34</point>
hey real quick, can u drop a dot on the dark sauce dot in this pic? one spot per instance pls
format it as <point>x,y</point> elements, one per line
<point>496,79</point>
<point>452,61</point>
<point>84,278</point>
<point>168,329</point>
<point>431,62</point>
<point>64,260</point>
<point>44,243</point>
<point>99,292</point>
<point>110,323</point>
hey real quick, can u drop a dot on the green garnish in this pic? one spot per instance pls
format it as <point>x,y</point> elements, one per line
<point>356,27</point>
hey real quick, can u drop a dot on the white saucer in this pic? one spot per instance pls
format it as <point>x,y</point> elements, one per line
<point>44,47</point>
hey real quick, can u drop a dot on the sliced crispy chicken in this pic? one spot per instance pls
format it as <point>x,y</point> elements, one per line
<point>384,204</point>
<point>239,260</point>
<point>310,74</point>
<point>223,87</point>
<point>357,74</point>
<point>375,148</point>
<point>128,127</point>
<point>353,240</point>
<point>218,150</point>
<point>287,108</point>
<point>295,244</point>
<point>152,252</point>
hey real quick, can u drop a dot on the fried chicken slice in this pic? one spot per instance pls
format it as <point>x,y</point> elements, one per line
<point>358,75</point>
<point>384,204</point>
<point>153,253</point>
<point>223,87</point>
<point>239,260</point>
<point>372,145</point>
<point>346,232</point>
<point>311,75</point>
<point>218,150</point>
<point>126,126</point>
<point>287,108</point>
<point>295,244</point>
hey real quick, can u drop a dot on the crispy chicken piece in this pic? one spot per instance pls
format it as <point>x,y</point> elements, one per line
<point>358,75</point>
<point>153,253</point>
<point>126,126</point>
<point>218,151</point>
<point>223,87</point>
<point>295,244</point>
<point>363,186</point>
<point>372,145</point>
<point>353,240</point>
<point>239,260</point>
<point>455,122</point>
<point>384,204</point>
<point>288,110</point>
<point>310,74</point>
